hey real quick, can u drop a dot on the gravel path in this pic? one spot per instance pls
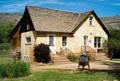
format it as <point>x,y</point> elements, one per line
<point>73,66</point>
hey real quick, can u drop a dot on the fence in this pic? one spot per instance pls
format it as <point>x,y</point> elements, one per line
<point>5,57</point>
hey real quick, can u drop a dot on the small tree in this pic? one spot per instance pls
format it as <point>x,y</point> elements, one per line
<point>113,44</point>
<point>5,30</point>
<point>42,53</point>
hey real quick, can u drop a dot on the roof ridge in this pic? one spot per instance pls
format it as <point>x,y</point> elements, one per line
<point>52,9</point>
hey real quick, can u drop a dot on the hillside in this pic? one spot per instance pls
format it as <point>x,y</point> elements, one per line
<point>113,21</point>
<point>4,17</point>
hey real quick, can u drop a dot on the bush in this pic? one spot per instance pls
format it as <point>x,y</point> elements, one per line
<point>112,46</point>
<point>17,69</point>
<point>73,58</point>
<point>42,53</point>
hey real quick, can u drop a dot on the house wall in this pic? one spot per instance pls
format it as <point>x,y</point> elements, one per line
<point>15,42</point>
<point>27,48</point>
<point>43,38</point>
<point>90,31</point>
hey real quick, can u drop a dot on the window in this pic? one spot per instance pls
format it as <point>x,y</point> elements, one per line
<point>91,21</point>
<point>64,40</point>
<point>97,42</point>
<point>51,39</point>
<point>85,40</point>
<point>28,40</point>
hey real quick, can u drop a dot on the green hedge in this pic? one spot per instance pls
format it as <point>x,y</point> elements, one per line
<point>17,69</point>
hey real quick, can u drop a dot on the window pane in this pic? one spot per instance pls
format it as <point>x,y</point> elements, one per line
<point>91,20</point>
<point>97,42</point>
<point>51,39</point>
<point>99,39</point>
<point>28,39</point>
<point>95,45</point>
<point>85,39</point>
<point>64,40</point>
<point>98,45</point>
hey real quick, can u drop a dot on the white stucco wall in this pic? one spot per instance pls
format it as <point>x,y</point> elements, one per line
<point>43,38</point>
<point>90,31</point>
<point>27,49</point>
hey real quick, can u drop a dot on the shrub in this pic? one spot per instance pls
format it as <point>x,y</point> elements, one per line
<point>42,53</point>
<point>17,69</point>
<point>73,58</point>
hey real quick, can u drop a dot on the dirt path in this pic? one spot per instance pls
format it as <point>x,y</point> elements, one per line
<point>73,66</point>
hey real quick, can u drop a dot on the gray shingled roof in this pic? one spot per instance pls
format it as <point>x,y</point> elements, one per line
<point>49,20</point>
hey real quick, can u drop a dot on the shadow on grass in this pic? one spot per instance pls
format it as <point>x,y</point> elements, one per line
<point>102,73</point>
<point>113,64</point>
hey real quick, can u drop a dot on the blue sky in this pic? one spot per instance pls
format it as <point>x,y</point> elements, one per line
<point>102,8</point>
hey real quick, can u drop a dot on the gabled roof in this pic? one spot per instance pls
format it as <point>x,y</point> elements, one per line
<point>49,20</point>
<point>83,16</point>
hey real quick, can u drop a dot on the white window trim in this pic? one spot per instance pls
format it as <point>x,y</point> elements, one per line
<point>97,43</point>
<point>54,38</point>
<point>92,20</point>
<point>66,40</point>
<point>27,43</point>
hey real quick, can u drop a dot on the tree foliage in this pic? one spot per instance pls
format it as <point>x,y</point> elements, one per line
<point>113,44</point>
<point>5,30</point>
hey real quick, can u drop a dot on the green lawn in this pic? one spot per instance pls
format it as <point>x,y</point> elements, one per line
<point>61,75</point>
<point>4,60</point>
<point>5,57</point>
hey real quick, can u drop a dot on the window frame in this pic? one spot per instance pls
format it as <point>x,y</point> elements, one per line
<point>54,39</point>
<point>64,41</point>
<point>91,21</point>
<point>27,40</point>
<point>51,41</point>
<point>97,42</point>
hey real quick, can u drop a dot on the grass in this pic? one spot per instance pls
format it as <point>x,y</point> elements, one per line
<point>61,75</point>
<point>5,57</point>
<point>5,60</point>
<point>112,62</point>
<point>12,70</point>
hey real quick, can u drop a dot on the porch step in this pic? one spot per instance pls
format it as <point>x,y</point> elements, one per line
<point>101,57</point>
<point>58,59</point>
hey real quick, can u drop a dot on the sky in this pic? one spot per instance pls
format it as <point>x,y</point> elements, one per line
<point>103,8</point>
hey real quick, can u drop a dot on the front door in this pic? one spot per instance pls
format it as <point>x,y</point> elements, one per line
<point>51,41</point>
<point>85,42</point>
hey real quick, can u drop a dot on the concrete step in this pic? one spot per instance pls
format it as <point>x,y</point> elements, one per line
<point>58,59</point>
<point>101,56</point>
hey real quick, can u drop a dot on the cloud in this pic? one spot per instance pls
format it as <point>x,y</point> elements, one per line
<point>13,7</point>
<point>116,4</point>
<point>57,2</point>
<point>98,0</point>
<point>102,0</point>
<point>18,5</point>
